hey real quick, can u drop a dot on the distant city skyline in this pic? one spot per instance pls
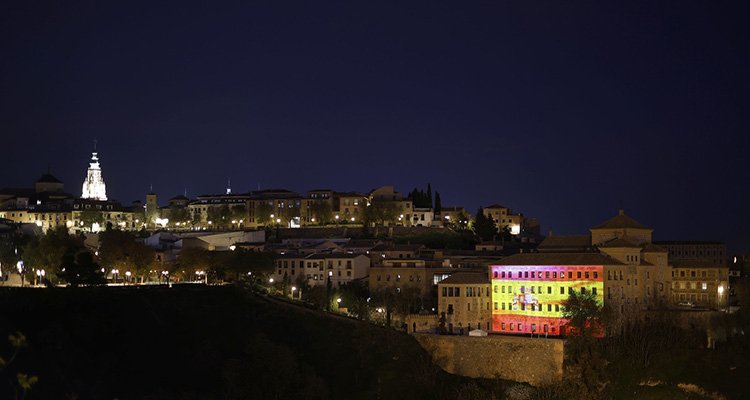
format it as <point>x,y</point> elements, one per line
<point>518,104</point>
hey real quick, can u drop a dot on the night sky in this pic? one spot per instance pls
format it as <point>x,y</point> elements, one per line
<point>564,111</point>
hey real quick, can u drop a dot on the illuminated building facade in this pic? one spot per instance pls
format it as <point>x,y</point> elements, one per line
<point>527,299</point>
<point>93,185</point>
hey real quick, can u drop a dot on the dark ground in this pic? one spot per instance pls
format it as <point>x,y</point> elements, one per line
<point>197,342</point>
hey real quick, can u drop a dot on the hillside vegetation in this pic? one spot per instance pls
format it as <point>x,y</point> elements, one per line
<point>198,342</point>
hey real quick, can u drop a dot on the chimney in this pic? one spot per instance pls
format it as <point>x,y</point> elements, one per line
<point>622,212</point>
<point>550,233</point>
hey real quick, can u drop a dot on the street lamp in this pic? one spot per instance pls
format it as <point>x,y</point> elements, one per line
<point>128,274</point>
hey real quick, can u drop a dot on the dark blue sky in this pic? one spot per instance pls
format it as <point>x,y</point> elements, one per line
<point>564,111</point>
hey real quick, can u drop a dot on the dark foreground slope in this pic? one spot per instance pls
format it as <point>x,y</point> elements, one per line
<point>208,342</point>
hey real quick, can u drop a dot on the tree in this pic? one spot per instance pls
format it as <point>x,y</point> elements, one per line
<point>354,296</point>
<point>584,314</point>
<point>438,203</point>
<point>178,214</point>
<point>48,252</point>
<point>80,269</point>
<point>237,213</point>
<point>429,195</point>
<point>239,262</point>
<point>219,216</point>
<point>289,213</point>
<point>263,213</point>
<point>10,248</point>
<point>24,382</point>
<point>192,259</point>
<point>484,227</point>
<point>322,212</point>
<point>121,250</point>
<point>90,217</point>
<point>379,212</point>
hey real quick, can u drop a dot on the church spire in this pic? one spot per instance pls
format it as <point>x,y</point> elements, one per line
<point>93,185</point>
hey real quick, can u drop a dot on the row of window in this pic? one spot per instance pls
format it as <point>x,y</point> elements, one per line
<point>693,273</point>
<point>311,264</point>
<point>700,253</point>
<point>691,285</point>
<point>519,327</point>
<point>455,291</point>
<point>538,289</point>
<point>412,278</point>
<point>315,276</point>
<point>546,275</point>
<point>520,306</point>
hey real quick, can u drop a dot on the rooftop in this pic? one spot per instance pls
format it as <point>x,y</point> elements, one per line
<point>620,242</point>
<point>621,221</point>
<point>686,242</point>
<point>652,248</point>
<point>559,259</point>
<point>398,247</point>
<point>582,241</point>
<point>466,278</point>
<point>696,264</point>
<point>48,178</point>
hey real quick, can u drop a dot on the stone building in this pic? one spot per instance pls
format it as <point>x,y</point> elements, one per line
<point>464,301</point>
<point>318,269</point>
<point>619,264</point>
<point>700,284</point>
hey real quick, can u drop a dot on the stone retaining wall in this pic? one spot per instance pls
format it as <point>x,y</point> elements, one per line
<point>537,361</point>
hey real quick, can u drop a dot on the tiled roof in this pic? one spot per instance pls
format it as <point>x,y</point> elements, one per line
<point>686,242</point>
<point>398,247</point>
<point>566,241</point>
<point>48,178</point>
<point>464,278</point>
<point>652,248</point>
<point>559,259</point>
<point>620,242</point>
<point>621,221</point>
<point>695,264</point>
<point>332,255</point>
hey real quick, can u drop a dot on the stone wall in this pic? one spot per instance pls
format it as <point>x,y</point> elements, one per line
<point>534,360</point>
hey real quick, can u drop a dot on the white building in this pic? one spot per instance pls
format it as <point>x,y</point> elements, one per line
<point>317,269</point>
<point>93,186</point>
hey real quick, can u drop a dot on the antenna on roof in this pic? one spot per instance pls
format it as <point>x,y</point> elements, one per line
<point>185,192</point>
<point>151,188</point>
<point>49,169</point>
<point>94,144</point>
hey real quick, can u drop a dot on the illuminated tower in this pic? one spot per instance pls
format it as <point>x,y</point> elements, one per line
<point>93,186</point>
